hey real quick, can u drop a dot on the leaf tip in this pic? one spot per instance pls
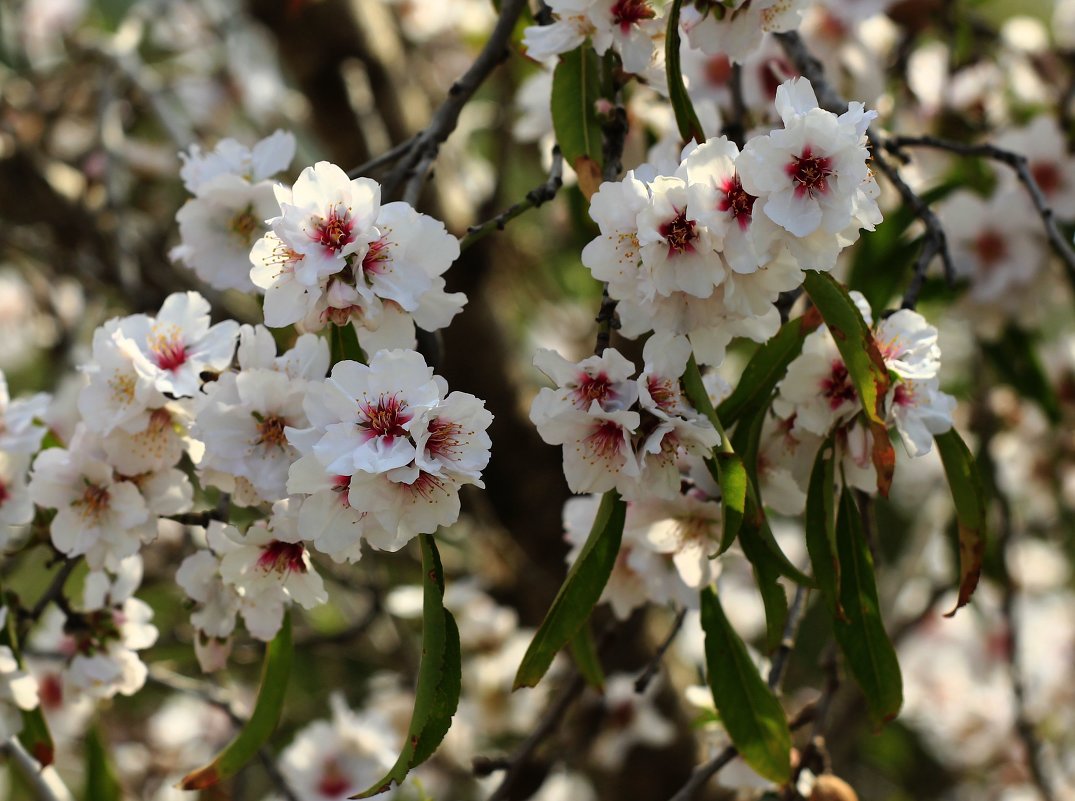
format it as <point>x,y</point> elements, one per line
<point>200,779</point>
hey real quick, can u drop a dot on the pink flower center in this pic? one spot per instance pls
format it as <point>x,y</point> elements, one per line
<point>621,715</point>
<point>903,395</point>
<point>738,201</point>
<point>5,493</point>
<point>606,440</point>
<point>444,441</point>
<point>282,557</point>
<point>376,256</point>
<point>341,485</point>
<point>837,386</point>
<point>385,418</point>
<point>810,173</point>
<point>334,231</point>
<point>1047,174</point>
<point>662,391</point>
<point>333,782</point>
<point>718,70</point>
<point>991,249</point>
<point>626,13</point>
<point>170,353</point>
<point>774,71</point>
<point>50,691</point>
<point>426,486</point>
<point>592,388</point>
<point>679,232</point>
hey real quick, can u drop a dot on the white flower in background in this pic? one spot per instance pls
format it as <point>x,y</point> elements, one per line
<point>104,661</point>
<point>630,719</point>
<point>157,446</point>
<point>335,759</point>
<point>1053,167</point>
<point>232,199</point>
<point>385,454</point>
<point>736,28</point>
<point>242,416</point>
<point>116,393</point>
<point>18,689</point>
<point>785,458</point>
<point>812,175</point>
<point>20,428</point>
<point>178,345</point>
<point>16,507</point>
<point>269,568</point>
<point>630,27</point>
<point>98,513</point>
<point>217,602</point>
<point>995,243</point>
<point>102,591</point>
<point>817,388</point>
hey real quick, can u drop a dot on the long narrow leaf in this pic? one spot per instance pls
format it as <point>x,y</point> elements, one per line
<point>686,118</point>
<point>821,529</point>
<point>101,781</point>
<point>968,493</point>
<point>580,592</point>
<point>861,634</point>
<point>274,676</point>
<point>576,88</point>
<point>439,676</point>
<point>749,712</point>
<point>587,660</point>
<point>864,364</point>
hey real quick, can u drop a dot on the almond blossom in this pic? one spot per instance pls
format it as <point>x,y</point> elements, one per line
<point>18,689</point>
<point>735,28</point>
<point>630,27</point>
<point>21,430</point>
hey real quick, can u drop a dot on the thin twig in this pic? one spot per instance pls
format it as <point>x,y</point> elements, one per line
<point>390,155</point>
<point>777,669</point>
<point>534,198</point>
<point>422,152</point>
<point>643,681</point>
<point>55,589</point>
<point>544,729</point>
<point>934,240</point>
<point>1021,166</point>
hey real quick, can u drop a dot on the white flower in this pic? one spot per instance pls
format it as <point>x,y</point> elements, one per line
<point>688,529</point>
<point>1044,145</point>
<point>229,158</point>
<point>812,176</point>
<point>817,387</point>
<point>604,378</point>
<point>20,427</point>
<point>920,410</point>
<point>630,719</point>
<point>269,568</point>
<point>98,513</point>
<point>332,760</point>
<point>908,344</point>
<point>157,446</point>
<point>16,507</point>
<point>104,661</point>
<point>598,452</point>
<point>735,28</point>
<point>116,394</point>
<point>177,345</point>
<point>199,576</point>
<point>630,26</point>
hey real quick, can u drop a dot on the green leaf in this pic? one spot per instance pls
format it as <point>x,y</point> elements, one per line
<point>1014,357</point>
<point>34,734</point>
<point>576,88</point>
<point>686,118</point>
<point>968,493</point>
<point>580,592</point>
<point>584,652</point>
<point>344,344</point>
<point>861,634</point>
<point>821,529</point>
<point>767,577</point>
<point>270,702</point>
<point>750,713</point>
<point>730,473</point>
<point>768,365</point>
<point>439,676</point>
<point>864,364</point>
<point>101,781</point>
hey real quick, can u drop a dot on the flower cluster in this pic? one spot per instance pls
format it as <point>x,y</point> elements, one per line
<point>622,433</point>
<point>630,27</point>
<point>233,196</point>
<point>706,251</point>
<point>384,456</point>
<point>335,253</point>
<point>734,28</point>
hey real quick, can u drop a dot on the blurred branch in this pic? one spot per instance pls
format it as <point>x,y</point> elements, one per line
<point>1017,162</point>
<point>534,198</point>
<point>44,782</point>
<point>643,681</point>
<point>419,157</point>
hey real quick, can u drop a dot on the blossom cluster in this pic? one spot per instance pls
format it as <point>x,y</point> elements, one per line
<point>706,251</point>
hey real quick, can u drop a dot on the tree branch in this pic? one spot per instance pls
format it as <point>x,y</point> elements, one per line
<point>643,681</point>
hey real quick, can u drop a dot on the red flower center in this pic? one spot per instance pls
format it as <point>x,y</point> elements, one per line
<point>385,418</point>
<point>171,354</point>
<point>444,440</point>
<point>991,249</point>
<point>810,173</point>
<point>626,13</point>
<point>679,232</point>
<point>718,70</point>
<point>334,231</point>
<point>592,388</point>
<point>333,781</point>
<point>606,439</point>
<point>282,557</point>
<point>377,254</point>
<point>738,201</point>
<point>271,431</point>
<point>837,387</point>
<point>1048,176</point>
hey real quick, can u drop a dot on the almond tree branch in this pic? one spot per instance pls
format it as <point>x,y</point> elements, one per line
<point>534,198</point>
<point>415,163</point>
<point>643,681</point>
<point>1017,162</point>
